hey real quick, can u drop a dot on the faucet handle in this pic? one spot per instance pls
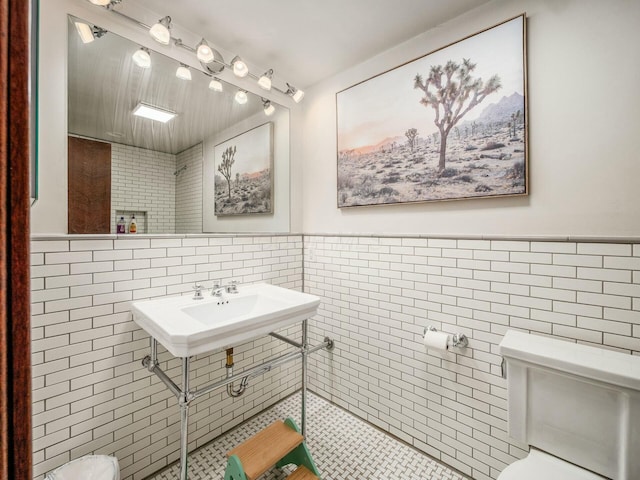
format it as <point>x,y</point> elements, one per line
<point>232,287</point>
<point>197,288</point>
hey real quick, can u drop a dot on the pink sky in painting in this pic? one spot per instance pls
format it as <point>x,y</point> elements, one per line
<point>388,105</point>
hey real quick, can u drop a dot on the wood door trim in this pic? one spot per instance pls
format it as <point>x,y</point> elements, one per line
<point>15,339</point>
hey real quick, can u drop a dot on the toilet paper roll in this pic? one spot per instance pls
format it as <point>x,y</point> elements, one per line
<point>436,340</point>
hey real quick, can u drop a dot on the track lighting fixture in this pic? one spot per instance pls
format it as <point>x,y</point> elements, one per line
<point>240,68</point>
<point>87,32</point>
<point>142,58</point>
<point>265,80</point>
<point>215,85</point>
<point>210,59</point>
<point>268,107</point>
<point>204,52</point>
<point>241,97</point>
<point>160,32</point>
<point>183,72</point>
<point>294,93</point>
<point>215,63</point>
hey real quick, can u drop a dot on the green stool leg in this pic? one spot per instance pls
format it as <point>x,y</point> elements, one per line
<point>299,455</point>
<point>234,469</point>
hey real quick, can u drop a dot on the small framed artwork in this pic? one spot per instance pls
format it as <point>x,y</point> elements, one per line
<point>450,125</point>
<point>243,173</point>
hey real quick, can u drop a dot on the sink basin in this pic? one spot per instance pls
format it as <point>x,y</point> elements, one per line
<point>187,327</point>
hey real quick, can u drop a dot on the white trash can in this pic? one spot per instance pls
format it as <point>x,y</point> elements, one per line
<point>91,467</point>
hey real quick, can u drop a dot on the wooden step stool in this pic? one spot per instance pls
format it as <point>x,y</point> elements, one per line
<point>277,445</point>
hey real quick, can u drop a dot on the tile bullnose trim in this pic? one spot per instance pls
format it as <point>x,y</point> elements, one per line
<point>533,238</point>
<point>65,236</point>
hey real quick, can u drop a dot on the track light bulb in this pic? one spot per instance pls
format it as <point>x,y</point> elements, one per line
<point>85,31</point>
<point>265,80</point>
<point>183,72</point>
<point>142,58</point>
<point>204,52</point>
<point>295,93</point>
<point>102,3</point>
<point>241,97</point>
<point>215,85</point>
<point>298,96</point>
<point>269,109</point>
<point>240,68</point>
<point>160,31</point>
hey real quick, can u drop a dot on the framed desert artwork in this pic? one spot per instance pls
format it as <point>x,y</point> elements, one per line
<point>242,171</point>
<point>447,126</point>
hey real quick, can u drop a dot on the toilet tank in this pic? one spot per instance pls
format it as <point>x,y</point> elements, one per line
<point>579,403</point>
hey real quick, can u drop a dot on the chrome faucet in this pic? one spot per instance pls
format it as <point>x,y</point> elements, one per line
<point>217,290</point>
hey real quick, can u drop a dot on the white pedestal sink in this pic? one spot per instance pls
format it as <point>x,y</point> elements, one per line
<point>187,327</point>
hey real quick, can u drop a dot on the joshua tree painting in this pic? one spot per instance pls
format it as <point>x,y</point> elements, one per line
<point>449,125</point>
<point>243,174</point>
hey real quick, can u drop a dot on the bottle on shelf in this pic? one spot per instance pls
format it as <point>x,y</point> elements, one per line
<point>121,226</point>
<point>133,226</point>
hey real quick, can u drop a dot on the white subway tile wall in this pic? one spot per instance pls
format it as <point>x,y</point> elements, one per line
<point>189,190</point>
<point>143,180</point>
<point>378,295</point>
<point>92,395</point>
<point>90,391</point>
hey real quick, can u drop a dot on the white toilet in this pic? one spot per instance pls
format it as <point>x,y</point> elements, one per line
<point>577,406</point>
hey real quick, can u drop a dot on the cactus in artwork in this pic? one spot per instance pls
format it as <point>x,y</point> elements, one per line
<point>452,92</point>
<point>412,135</point>
<point>225,167</point>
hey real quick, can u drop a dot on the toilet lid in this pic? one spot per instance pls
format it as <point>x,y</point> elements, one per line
<point>539,465</point>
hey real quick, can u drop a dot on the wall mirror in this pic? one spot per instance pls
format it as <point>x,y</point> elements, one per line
<point>129,165</point>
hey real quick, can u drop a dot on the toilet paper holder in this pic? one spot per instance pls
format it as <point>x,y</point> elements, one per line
<point>455,340</point>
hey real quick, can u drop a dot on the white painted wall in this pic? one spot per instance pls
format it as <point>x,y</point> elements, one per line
<point>583,124</point>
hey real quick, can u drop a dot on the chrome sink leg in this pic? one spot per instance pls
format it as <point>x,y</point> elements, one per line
<point>154,351</point>
<point>184,401</point>
<point>305,350</point>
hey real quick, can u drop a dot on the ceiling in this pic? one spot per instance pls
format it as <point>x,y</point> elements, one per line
<point>105,85</point>
<point>306,41</point>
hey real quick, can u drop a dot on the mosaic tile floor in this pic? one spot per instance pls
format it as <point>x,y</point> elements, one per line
<point>343,447</point>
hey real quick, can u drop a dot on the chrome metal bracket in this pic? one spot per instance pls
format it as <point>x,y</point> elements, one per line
<point>459,340</point>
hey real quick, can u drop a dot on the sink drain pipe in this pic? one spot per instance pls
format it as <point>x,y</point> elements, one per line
<point>231,390</point>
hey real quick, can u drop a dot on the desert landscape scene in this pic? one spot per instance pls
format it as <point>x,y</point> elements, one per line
<point>250,193</point>
<point>484,157</point>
